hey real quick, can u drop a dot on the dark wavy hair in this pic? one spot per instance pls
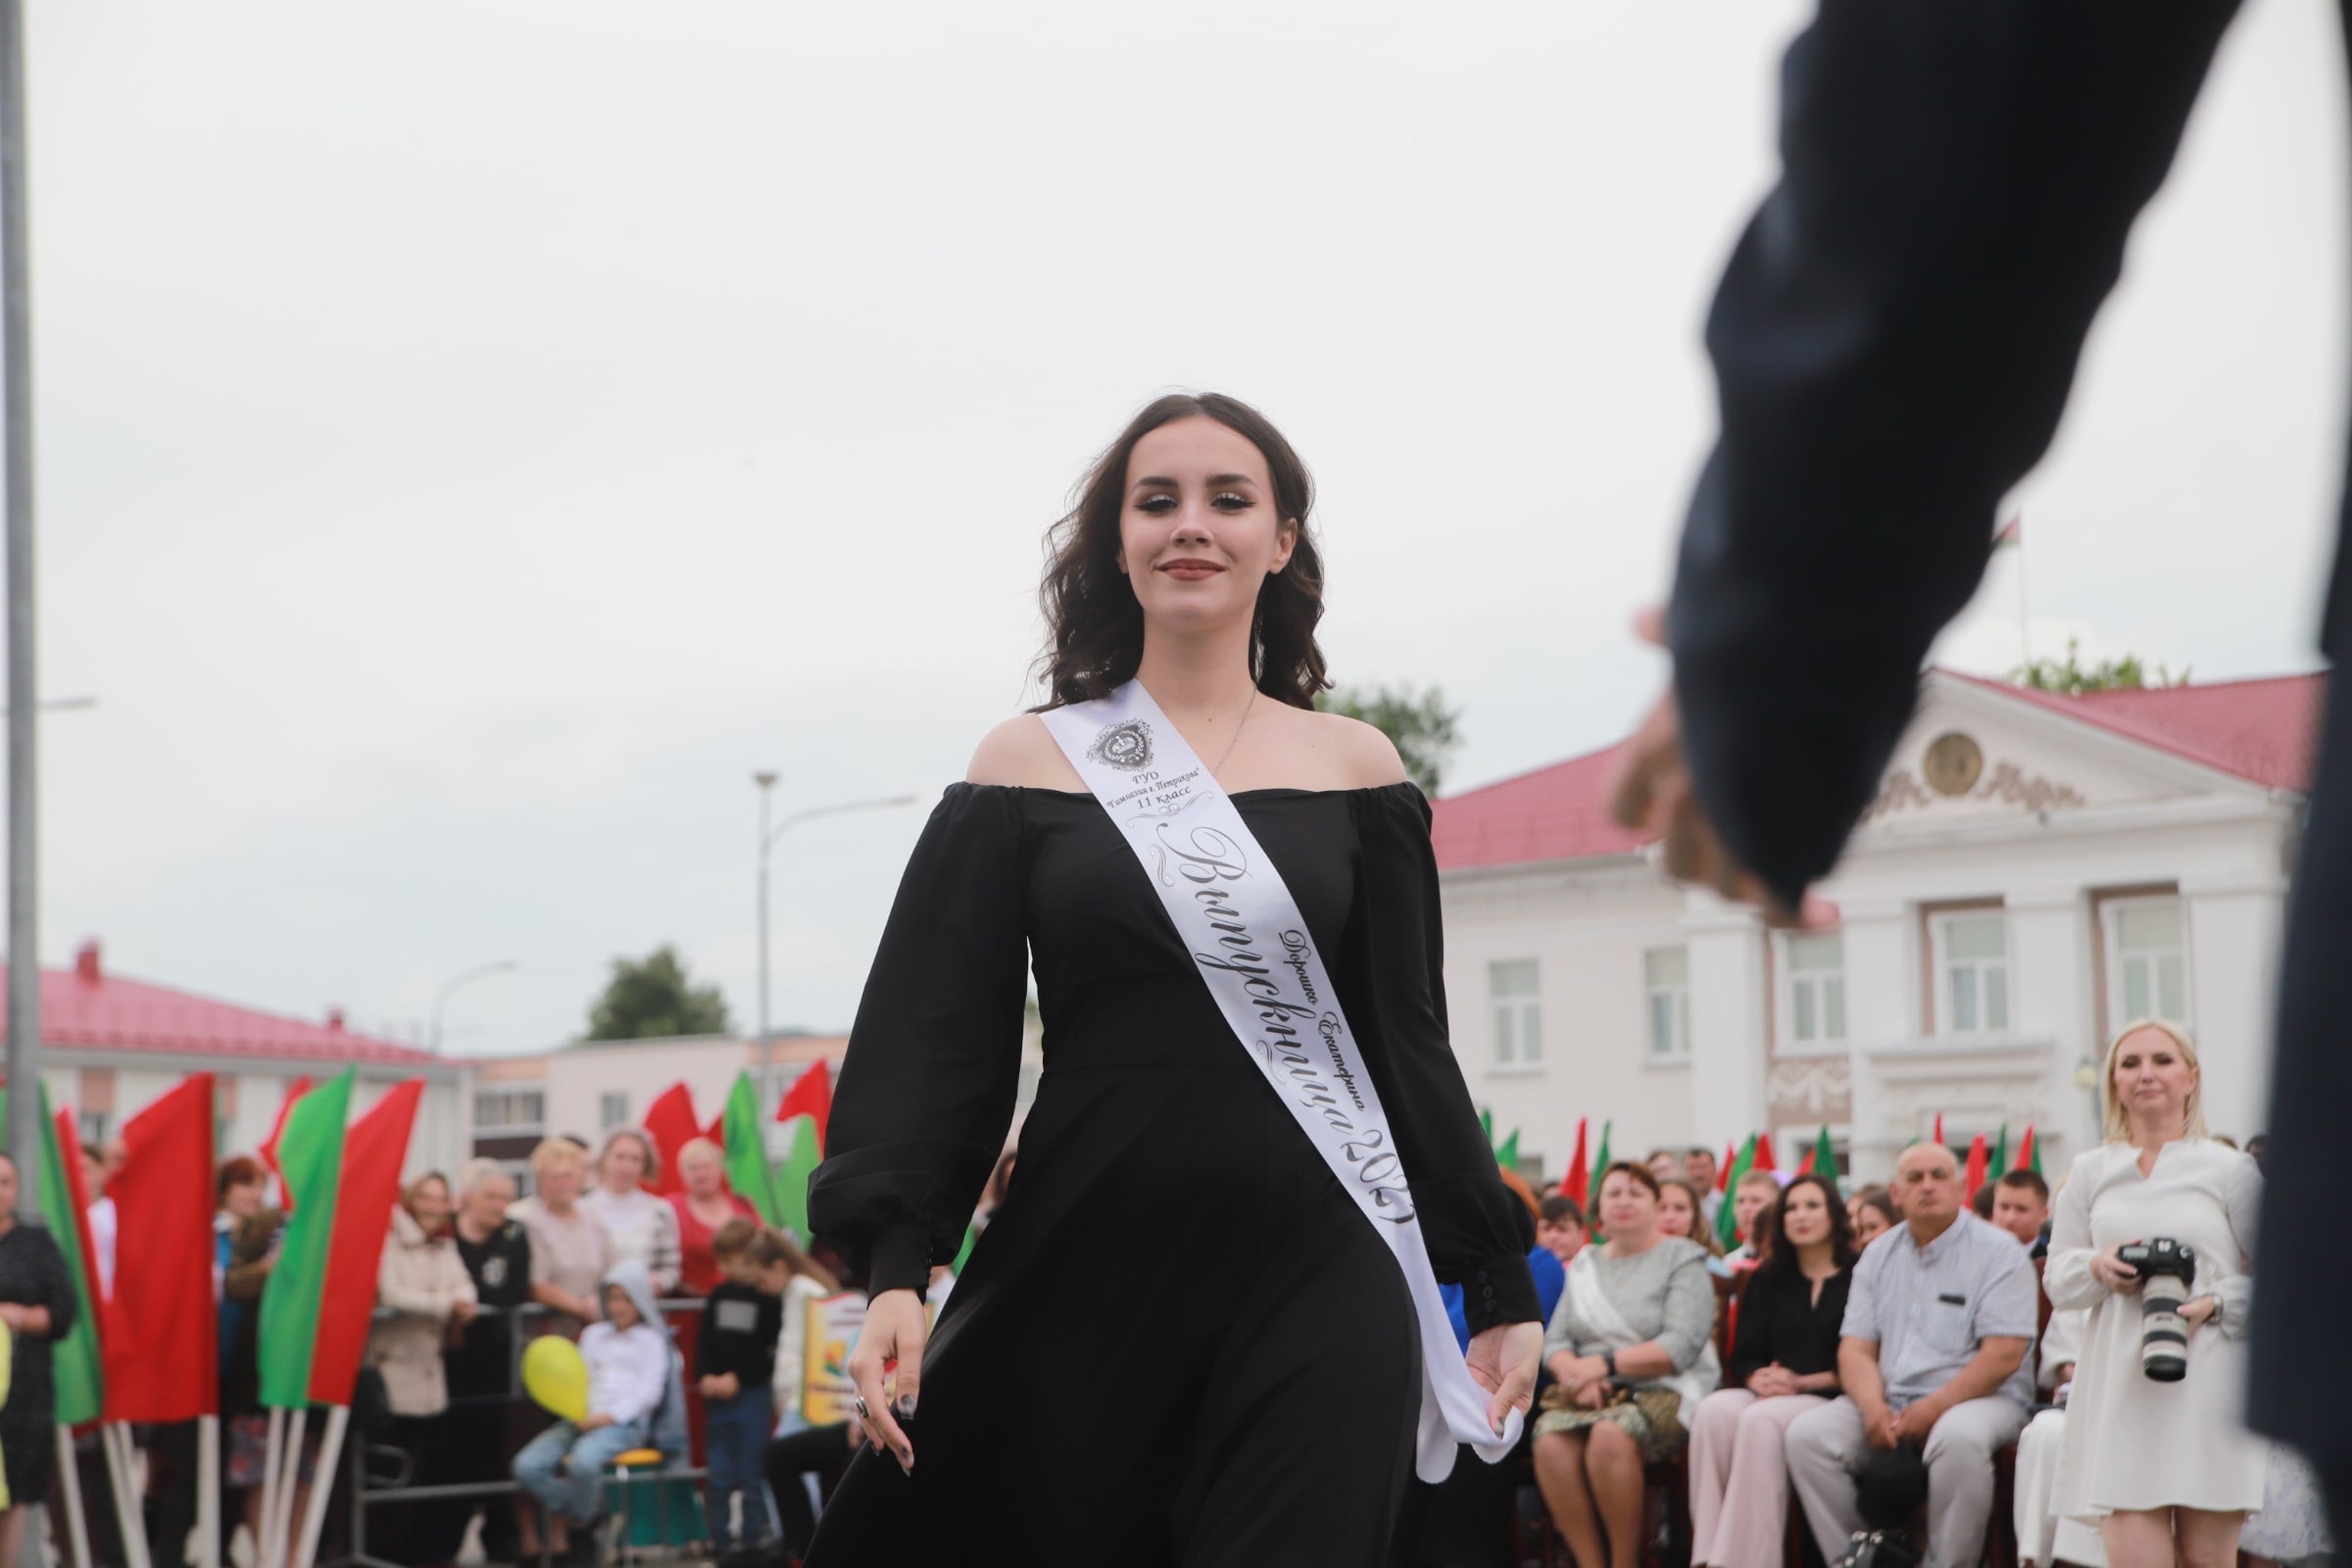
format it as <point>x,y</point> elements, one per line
<point>1780,1252</point>
<point>1094,624</point>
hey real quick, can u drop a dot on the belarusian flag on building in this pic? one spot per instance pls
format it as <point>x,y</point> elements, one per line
<point>76,1363</point>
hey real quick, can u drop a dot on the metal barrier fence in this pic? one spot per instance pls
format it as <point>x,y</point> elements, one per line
<point>366,1495</point>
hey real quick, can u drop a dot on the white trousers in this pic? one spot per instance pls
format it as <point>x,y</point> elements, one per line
<point>1827,1446</point>
<point>2042,1538</point>
<point>1739,1479</point>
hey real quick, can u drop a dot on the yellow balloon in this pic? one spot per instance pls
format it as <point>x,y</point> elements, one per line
<point>554,1374</point>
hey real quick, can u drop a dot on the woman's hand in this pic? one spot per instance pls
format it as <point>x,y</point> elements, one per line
<point>2112,1271</point>
<point>1772,1381</point>
<point>1593,1395</point>
<point>1503,1362</point>
<point>2197,1312</point>
<point>895,1328</point>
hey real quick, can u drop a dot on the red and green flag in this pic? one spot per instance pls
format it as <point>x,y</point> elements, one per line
<point>2000,1155</point>
<point>309,1161</point>
<point>1508,1157</point>
<point>744,1138</point>
<point>1577,1180</point>
<point>1726,1219</point>
<point>807,1107</point>
<point>2029,1152</point>
<point>365,1190</point>
<point>1822,1157</point>
<point>277,1130</point>
<point>1601,1157</point>
<point>810,1096</point>
<point>1978,1154</point>
<point>162,1349</point>
<point>76,1363</point>
<point>672,1123</point>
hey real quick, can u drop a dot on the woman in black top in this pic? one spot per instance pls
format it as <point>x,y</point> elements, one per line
<point>36,1302</point>
<point>1179,1342</point>
<point>1783,1362</point>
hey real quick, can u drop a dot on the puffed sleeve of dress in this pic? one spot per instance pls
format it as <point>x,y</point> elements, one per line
<point>1478,1230</point>
<point>927,1088</point>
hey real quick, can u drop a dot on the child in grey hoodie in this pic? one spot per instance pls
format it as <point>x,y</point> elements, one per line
<point>628,1373</point>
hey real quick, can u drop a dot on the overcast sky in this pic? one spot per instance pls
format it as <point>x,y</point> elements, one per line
<point>474,439</point>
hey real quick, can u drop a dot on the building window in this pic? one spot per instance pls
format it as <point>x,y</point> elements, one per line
<point>1518,1013</point>
<point>1667,974</point>
<point>613,1109</point>
<point>509,1113</point>
<point>2147,961</point>
<point>1813,971</point>
<point>1971,956</point>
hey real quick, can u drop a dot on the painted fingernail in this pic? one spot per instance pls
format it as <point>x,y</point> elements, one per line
<point>907,1406</point>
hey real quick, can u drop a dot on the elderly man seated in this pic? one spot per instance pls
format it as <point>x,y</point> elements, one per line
<point>1933,1354</point>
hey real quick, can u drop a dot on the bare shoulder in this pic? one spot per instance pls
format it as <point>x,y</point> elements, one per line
<point>1356,754</point>
<point>1019,752</point>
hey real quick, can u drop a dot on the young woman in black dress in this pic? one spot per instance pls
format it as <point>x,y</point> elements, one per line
<point>36,1302</point>
<point>1179,1342</point>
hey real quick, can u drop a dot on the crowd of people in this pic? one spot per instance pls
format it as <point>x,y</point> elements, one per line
<point>1873,1358</point>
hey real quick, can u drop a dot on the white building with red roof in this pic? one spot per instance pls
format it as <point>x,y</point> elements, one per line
<point>112,1045</point>
<point>2035,871</point>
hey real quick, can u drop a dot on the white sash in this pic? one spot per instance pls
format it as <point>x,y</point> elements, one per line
<point>1231,909</point>
<point>1598,1313</point>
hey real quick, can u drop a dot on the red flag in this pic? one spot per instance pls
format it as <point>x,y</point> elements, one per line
<point>68,1148</point>
<point>1978,1157</point>
<point>1572,1185</point>
<point>1722,1172</point>
<point>813,1096</point>
<point>162,1342</point>
<point>294,1091</point>
<point>1764,1159</point>
<point>671,1119</point>
<point>1940,1126</point>
<point>1804,1166</point>
<point>2028,1157</point>
<point>372,1152</point>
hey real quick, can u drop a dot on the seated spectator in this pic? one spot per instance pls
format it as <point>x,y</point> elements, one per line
<point>2043,1538</point>
<point>1631,1355</point>
<point>1682,1216</point>
<point>1980,1202</point>
<point>1873,1213</point>
<point>1751,1196</point>
<point>1561,1228</point>
<point>1665,1165</point>
<point>2021,1206</point>
<point>628,1375</point>
<point>1784,1363</point>
<point>1699,1170</point>
<point>1937,1322</point>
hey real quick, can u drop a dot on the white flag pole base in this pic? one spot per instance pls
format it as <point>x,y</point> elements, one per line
<point>315,1516</point>
<point>69,1477</point>
<point>289,1486</point>
<point>208,1492</point>
<point>115,1437</point>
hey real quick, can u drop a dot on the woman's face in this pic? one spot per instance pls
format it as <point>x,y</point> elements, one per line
<point>1805,1213</point>
<point>1746,1204</point>
<point>1676,1216</point>
<point>624,1169</point>
<point>560,1184</point>
<point>486,1206</point>
<point>1869,1224</point>
<point>701,1168</point>
<point>1629,1209</point>
<point>243,1199</point>
<point>2153,1079</point>
<point>429,1203</point>
<point>1197,527</point>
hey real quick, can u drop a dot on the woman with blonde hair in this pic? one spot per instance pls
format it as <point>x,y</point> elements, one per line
<point>644,1228</point>
<point>1683,1213</point>
<point>2164,1465</point>
<point>570,1249</point>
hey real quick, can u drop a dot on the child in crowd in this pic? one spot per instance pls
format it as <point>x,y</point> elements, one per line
<point>629,1374</point>
<point>735,1357</point>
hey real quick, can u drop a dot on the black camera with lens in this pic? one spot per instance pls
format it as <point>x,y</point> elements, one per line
<point>2168,1271</point>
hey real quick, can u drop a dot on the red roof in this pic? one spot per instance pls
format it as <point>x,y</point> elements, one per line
<point>84,1006</point>
<point>2265,731</point>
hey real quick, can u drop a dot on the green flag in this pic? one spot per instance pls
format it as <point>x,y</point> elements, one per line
<point>309,1157</point>
<point>742,1136</point>
<point>792,1182</point>
<point>1726,1218</point>
<point>2000,1155</point>
<point>1508,1157</point>
<point>1824,1155</point>
<point>76,1363</point>
<point>1486,1126</point>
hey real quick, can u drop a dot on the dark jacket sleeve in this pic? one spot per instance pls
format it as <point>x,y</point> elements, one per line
<point>1478,1231</point>
<point>928,1084</point>
<point>1894,342</point>
<point>57,1287</point>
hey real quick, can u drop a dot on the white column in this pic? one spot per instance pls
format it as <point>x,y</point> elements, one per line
<point>2050,999</point>
<point>1726,1019</point>
<point>1882,1006</point>
<point>2233,931</point>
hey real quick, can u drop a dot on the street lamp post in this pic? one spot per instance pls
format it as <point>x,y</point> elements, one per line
<point>766,779</point>
<point>502,966</point>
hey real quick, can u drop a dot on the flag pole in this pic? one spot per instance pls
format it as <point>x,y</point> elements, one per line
<point>208,1492</point>
<point>281,1529</point>
<point>115,1436</point>
<point>78,1532</point>
<point>315,1516</point>
<point>271,1450</point>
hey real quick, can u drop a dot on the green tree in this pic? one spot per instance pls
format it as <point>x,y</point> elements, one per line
<point>653,999</point>
<point>1427,731</point>
<point>2070,677</point>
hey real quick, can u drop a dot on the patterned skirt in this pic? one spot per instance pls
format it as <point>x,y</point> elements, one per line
<point>1651,1416</point>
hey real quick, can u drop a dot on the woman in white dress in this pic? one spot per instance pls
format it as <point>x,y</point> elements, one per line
<point>2167,1469</point>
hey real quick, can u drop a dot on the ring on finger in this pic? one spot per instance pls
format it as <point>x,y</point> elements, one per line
<point>859,1404</point>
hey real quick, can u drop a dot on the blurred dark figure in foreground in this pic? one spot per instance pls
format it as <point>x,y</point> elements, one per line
<point>1894,340</point>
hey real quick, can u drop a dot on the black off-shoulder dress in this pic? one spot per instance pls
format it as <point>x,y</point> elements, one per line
<point>1178,1342</point>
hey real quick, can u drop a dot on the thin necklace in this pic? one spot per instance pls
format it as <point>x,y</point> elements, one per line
<point>1218,767</point>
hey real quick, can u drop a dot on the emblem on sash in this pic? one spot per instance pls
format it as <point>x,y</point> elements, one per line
<point>1125,747</point>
